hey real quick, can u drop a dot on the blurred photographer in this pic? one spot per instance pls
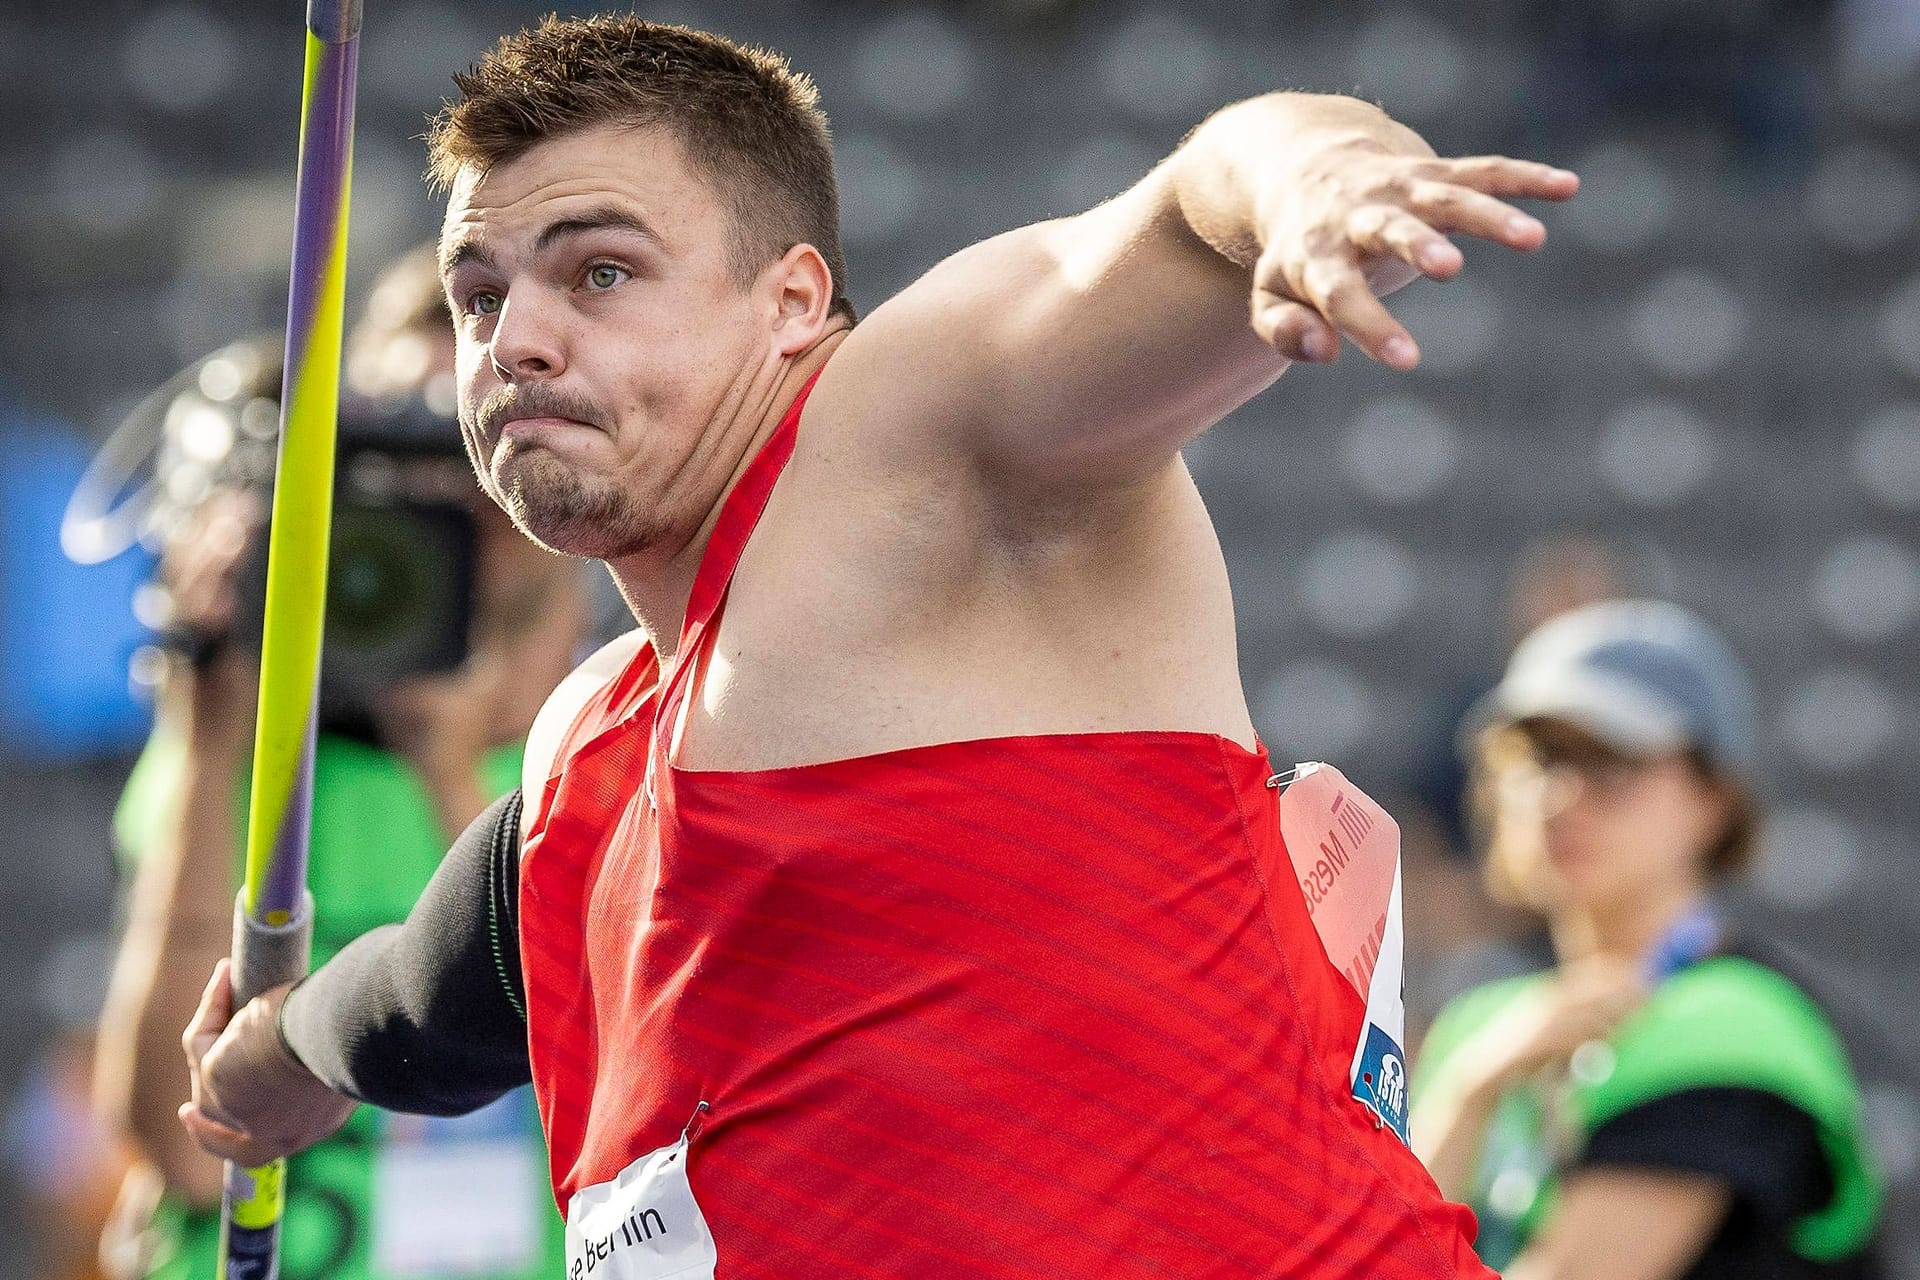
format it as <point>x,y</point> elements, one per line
<point>445,630</point>
<point>1666,1101</point>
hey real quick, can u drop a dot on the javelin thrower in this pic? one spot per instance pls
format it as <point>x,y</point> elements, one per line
<point>906,896</point>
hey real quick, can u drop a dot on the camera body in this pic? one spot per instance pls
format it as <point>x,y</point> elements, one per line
<point>402,556</point>
<point>400,567</point>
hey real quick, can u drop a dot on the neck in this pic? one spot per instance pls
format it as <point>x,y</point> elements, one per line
<point>656,582</point>
<point>1627,931</point>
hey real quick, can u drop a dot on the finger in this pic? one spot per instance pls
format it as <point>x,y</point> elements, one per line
<point>226,1141</point>
<point>1295,331</point>
<point>212,1016</point>
<point>219,1139</point>
<point>1341,293</point>
<point>251,507</point>
<point>1504,176</point>
<point>1454,208</point>
<point>1380,230</point>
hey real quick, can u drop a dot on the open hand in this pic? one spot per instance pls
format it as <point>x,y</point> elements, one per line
<point>1583,1002</point>
<point>1361,221</point>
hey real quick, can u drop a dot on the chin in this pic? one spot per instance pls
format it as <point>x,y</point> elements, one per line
<point>1538,883</point>
<point>1545,895</point>
<point>549,504</point>
<point>1587,890</point>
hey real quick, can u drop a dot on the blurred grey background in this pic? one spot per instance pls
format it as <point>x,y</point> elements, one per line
<point>1713,369</point>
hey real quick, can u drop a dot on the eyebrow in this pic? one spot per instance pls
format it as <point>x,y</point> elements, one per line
<point>469,248</point>
<point>598,218</point>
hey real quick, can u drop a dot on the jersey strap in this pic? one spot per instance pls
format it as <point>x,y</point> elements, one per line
<point>738,518</point>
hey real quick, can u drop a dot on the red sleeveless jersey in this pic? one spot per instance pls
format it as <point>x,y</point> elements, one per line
<point>1046,1005</point>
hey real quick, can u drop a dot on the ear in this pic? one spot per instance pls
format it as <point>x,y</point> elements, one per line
<point>800,289</point>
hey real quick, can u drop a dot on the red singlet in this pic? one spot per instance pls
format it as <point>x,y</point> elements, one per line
<point>1029,1006</point>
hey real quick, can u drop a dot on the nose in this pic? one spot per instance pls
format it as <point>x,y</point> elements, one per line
<point>525,347</point>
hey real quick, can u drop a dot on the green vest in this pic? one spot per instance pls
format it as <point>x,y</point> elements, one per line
<point>466,1197</point>
<point>1724,1022</point>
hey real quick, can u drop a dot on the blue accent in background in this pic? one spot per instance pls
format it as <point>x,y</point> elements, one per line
<point>1382,1083</point>
<point>67,631</point>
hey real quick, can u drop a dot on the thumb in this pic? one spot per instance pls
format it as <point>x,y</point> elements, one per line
<point>1296,331</point>
<point>213,1014</point>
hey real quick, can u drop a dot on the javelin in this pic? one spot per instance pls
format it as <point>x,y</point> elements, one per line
<point>273,919</point>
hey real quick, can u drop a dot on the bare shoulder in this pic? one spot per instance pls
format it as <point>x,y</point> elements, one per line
<point>1059,358</point>
<point>902,385</point>
<point>561,707</point>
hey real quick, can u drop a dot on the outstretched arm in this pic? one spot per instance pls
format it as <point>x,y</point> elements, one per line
<point>427,1015</point>
<point>1085,351</point>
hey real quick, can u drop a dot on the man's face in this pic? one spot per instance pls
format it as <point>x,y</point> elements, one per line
<point>601,328</point>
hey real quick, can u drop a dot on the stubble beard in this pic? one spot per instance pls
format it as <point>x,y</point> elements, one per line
<point>550,504</point>
<point>545,498</point>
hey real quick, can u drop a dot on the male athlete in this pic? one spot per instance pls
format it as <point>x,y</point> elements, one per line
<point>905,897</point>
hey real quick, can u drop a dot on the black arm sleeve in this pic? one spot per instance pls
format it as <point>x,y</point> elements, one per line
<point>429,1015</point>
<point>1762,1146</point>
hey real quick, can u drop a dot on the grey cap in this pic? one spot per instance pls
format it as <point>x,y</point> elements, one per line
<point>1643,676</point>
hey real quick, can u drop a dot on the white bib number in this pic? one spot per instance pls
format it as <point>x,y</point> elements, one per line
<point>643,1225</point>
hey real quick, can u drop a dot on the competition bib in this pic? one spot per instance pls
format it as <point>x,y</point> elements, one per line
<point>643,1225</point>
<point>1345,851</point>
<point>460,1195</point>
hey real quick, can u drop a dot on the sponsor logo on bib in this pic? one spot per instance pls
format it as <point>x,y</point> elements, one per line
<point>1345,851</point>
<point>1382,1080</point>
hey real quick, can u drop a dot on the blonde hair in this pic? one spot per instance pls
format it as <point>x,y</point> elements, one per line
<point>406,317</point>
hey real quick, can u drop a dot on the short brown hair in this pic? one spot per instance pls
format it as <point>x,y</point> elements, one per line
<point>748,121</point>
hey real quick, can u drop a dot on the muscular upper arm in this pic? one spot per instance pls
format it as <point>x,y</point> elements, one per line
<point>1084,349</point>
<point>1626,1224</point>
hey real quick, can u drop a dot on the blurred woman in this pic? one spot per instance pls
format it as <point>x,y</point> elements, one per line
<point>1664,1102</point>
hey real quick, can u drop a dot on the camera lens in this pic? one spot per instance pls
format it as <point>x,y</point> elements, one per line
<point>376,585</point>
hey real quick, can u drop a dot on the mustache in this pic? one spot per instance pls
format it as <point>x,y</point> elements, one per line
<point>531,400</point>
